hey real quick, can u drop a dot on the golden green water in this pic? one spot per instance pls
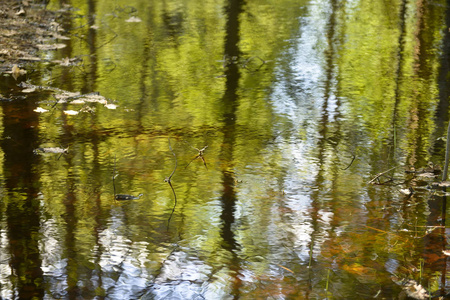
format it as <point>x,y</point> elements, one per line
<point>300,104</point>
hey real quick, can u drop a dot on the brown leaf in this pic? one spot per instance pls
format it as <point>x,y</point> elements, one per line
<point>16,72</point>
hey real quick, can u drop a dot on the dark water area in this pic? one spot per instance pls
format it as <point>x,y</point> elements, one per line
<point>268,151</point>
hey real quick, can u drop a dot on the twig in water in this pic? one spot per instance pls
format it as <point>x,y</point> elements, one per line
<point>168,180</point>
<point>199,155</point>
<point>354,156</point>
<point>113,177</point>
<point>380,174</point>
<point>447,154</point>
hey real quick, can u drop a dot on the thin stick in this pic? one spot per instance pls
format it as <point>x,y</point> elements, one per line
<point>176,164</point>
<point>354,156</point>
<point>168,180</point>
<point>380,174</point>
<point>447,154</point>
<point>114,176</point>
<point>199,155</point>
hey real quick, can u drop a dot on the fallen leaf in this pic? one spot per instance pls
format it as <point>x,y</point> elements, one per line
<point>40,110</point>
<point>77,101</point>
<point>286,268</point>
<point>71,112</point>
<point>415,290</point>
<point>407,192</point>
<point>29,58</point>
<point>446,252</point>
<point>426,175</point>
<point>50,46</point>
<point>29,90</point>
<point>133,20</point>
<point>111,106</point>
<point>21,12</point>
<point>60,37</point>
<point>95,98</point>
<point>16,72</point>
<point>62,98</point>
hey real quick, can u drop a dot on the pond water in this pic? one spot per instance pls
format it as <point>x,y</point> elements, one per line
<point>274,144</point>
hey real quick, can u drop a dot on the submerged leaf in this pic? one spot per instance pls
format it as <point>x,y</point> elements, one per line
<point>415,290</point>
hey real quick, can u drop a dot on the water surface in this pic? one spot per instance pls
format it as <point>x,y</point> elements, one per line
<point>300,104</point>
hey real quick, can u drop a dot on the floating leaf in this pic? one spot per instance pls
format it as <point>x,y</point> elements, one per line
<point>71,112</point>
<point>77,101</point>
<point>133,20</point>
<point>29,90</point>
<point>50,46</point>
<point>60,37</point>
<point>111,106</point>
<point>426,175</point>
<point>16,72</point>
<point>94,98</point>
<point>40,110</point>
<point>63,97</point>
<point>407,191</point>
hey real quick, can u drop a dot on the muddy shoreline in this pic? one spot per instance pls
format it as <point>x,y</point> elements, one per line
<point>26,28</point>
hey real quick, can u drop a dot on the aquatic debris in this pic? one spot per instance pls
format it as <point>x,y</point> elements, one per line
<point>351,162</point>
<point>16,72</point>
<point>110,106</point>
<point>376,179</point>
<point>40,110</point>
<point>71,112</point>
<point>168,180</point>
<point>442,184</point>
<point>29,90</point>
<point>415,290</point>
<point>121,197</point>
<point>46,47</point>
<point>199,155</point>
<point>87,109</point>
<point>38,87</point>
<point>63,96</point>
<point>78,101</point>
<point>426,175</point>
<point>408,192</point>
<point>67,62</point>
<point>52,150</point>
<point>133,20</point>
<point>21,12</point>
